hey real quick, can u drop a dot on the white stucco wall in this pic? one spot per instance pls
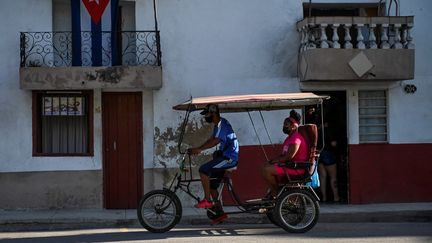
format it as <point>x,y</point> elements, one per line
<point>224,47</point>
<point>409,115</point>
<point>209,48</point>
<point>15,104</point>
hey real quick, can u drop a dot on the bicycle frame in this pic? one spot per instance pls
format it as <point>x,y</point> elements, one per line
<point>184,184</point>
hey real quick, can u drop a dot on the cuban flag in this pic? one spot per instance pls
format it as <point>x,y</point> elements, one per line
<point>94,32</point>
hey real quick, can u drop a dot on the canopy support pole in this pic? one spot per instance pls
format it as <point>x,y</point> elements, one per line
<point>256,133</point>
<point>183,127</point>
<point>265,128</point>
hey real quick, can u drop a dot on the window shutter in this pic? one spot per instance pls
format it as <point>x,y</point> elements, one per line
<point>373,116</point>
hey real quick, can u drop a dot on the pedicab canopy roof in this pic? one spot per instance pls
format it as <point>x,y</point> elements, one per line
<point>253,102</point>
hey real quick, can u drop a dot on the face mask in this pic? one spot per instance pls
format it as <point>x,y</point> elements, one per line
<point>208,119</point>
<point>286,130</point>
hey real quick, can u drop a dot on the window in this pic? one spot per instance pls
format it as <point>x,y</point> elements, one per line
<point>373,116</point>
<point>343,9</point>
<point>62,123</point>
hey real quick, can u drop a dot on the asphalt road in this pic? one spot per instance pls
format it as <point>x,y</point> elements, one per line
<point>323,232</point>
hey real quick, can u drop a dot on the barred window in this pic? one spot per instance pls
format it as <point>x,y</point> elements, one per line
<point>62,123</point>
<point>373,116</point>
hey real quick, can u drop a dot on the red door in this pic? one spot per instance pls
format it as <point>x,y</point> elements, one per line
<point>122,149</point>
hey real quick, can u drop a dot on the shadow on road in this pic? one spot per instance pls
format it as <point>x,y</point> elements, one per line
<point>323,231</point>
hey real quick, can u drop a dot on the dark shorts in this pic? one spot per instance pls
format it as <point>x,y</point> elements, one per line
<point>215,169</point>
<point>327,158</point>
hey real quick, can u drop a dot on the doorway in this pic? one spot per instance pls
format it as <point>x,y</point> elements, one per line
<point>335,139</point>
<point>122,149</point>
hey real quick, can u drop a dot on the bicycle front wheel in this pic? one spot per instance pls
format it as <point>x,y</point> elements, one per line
<point>296,211</point>
<point>159,211</point>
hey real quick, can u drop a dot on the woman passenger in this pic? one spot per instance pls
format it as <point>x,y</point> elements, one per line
<point>294,150</point>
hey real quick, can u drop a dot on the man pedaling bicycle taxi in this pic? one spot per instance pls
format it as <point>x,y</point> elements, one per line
<point>224,158</point>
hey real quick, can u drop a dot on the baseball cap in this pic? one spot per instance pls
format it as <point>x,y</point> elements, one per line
<point>210,108</point>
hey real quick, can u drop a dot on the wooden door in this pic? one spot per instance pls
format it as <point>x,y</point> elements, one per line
<point>122,149</point>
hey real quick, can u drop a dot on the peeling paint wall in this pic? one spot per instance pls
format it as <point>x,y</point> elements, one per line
<point>119,77</point>
<point>220,48</point>
<point>166,143</point>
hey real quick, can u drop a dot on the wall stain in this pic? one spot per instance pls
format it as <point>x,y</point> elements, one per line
<point>166,149</point>
<point>107,75</point>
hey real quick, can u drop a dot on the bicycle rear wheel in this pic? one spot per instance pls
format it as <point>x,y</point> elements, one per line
<point>296,211</point>
<point>159,211</point>
<point>272,219</point>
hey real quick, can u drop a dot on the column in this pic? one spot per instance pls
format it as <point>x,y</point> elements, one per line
<point>397,39</point>
<point>303,40</point>
<point>384,38</point>
<point>360,43</point>
<point>335,37</point>
<point>410,42</point>
<point>347,38</point>
<point>323,36</point>
<point>311,37</point>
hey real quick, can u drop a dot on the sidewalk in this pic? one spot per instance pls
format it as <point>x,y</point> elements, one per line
<point>96,218</point>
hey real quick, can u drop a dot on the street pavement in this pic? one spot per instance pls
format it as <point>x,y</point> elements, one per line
<point>234,233</point>
<point>84,218</point>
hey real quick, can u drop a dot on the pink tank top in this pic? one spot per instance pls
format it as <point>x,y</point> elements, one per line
<point>302,153</point>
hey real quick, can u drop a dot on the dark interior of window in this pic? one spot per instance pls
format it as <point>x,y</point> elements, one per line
<point>62,124</point>
<point>343,9</point>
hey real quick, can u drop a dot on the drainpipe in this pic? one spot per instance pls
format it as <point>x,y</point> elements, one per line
<point>310,8</point>
<point>158,46</point>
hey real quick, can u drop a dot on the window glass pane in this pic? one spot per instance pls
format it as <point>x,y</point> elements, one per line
<point>64,124</point>
<point>373,121</point>
<point>372,116</point>
<point>372,111</point>
<point>372,102</point>
<point>373,138</point>
<point>373,130</point>
<point>372,94</point>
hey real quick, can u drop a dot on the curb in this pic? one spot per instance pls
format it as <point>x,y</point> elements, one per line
<point>60,223</point>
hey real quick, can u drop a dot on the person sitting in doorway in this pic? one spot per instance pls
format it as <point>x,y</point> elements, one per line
<point>294,149</point>
<point>224,158</point>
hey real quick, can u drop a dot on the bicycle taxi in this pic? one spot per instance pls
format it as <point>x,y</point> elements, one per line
<point>296,207</point>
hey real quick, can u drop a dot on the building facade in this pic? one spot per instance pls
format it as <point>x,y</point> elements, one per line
<point>87,119</point>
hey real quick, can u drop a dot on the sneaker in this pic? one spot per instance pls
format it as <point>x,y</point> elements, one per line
<point>204,204</point>
<point>219,219</point>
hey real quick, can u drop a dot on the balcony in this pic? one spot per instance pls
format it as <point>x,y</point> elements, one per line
<point>61,60</point>
<point>356,48</point>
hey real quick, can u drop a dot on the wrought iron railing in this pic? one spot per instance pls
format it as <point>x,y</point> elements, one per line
<point>63,49</point>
